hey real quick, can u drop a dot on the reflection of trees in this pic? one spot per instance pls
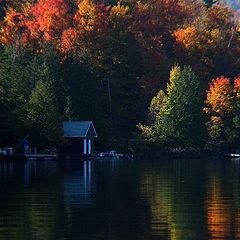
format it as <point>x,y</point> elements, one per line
<point>222,201</point>
<point>176,212</point>
<point>28,204</point>
<point>219,212</point>
<point>193,200</point>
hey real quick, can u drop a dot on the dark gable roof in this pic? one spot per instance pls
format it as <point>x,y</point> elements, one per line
<point>78,129</point>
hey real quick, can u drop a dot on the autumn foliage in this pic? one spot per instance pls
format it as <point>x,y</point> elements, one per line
<point>220,97</point>
<point>49,19</point>
<point>177,28</point>
<point>129,47</point>
<point>222,108</point>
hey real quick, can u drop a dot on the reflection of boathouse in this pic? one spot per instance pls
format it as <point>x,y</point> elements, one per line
<point>80,137</point>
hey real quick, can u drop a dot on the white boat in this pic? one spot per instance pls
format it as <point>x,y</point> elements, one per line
<point>110,154</point>
<point>113,155</point>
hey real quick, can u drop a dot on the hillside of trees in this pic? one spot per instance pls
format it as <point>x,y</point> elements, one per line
<point>108,61</point>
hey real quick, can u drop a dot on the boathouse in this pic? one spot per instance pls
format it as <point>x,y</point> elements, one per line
<point>80,137</point>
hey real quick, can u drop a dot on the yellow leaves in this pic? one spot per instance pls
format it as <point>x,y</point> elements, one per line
<point>11,17</point>
<point>119,17</point>
<point>142,7</point>
<point>217,121</point>
<point>174,74</point>
<point>91,17</point>
<point>119,10</point>
<point>147,131</point>
<point>86,15</point>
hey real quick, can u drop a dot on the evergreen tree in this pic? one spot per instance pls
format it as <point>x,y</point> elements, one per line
<point>178,115</point>
<point>68,111</point>
<point>184,120</point>
<point>44,114</point>
<point>13,91</point>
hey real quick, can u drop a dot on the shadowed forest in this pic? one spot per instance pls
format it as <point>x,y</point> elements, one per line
<point>161,71</point>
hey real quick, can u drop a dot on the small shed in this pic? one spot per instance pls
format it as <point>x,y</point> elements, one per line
<point>80,136</point>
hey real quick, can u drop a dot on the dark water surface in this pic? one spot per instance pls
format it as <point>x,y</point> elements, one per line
<point>120,200</point>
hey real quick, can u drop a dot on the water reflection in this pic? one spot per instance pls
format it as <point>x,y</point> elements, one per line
<point>175,196</point>
<point>222,200</point>
<point>37,198</point>
<point>79,187</point>
<point>120,200</point>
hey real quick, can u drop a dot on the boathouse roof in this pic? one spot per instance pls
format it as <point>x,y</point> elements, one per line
<point>79,129</point>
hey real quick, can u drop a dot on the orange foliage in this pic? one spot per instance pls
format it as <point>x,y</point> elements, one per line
<point>69,41</point>
<point>12,27</point>
<point>185,36</point>
<point>237,85</point>
<point>220,97</point>
<point>211,33</point>
<point>89,22</point>
<point>190,38</point>
<point>50,18</point>
<point>43,21</point>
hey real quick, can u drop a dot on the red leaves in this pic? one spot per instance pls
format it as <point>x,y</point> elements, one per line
<point>52,21</point>
<point>44,21</point>
<point>69,41</point>
<point>50,18</point>
<point>237,84</point>
<point>12,26</point>
<point>89,24</point>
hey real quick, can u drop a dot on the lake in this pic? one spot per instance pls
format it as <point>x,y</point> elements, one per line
<point>120,200</point>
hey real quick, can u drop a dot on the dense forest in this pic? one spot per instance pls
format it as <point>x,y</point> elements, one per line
<point>161,70</point>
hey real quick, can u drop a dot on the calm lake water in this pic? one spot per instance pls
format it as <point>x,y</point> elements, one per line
<point>120,200</point>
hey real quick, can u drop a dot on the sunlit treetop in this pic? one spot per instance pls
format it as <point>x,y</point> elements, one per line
<point>49,19</point>
<point>220,97</point>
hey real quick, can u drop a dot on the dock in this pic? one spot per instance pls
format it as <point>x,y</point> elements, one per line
<point>40,156</point>
<point>27,157</point>
<point>235,155</point>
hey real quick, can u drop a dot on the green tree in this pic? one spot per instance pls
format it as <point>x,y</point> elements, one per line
<point>13,92</point>
<point>43,113</point>
<point>184,110</point>
<point>68,111</point>
<point>178,117</point>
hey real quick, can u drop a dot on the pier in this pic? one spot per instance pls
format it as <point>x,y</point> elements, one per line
<point>25,157</point>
